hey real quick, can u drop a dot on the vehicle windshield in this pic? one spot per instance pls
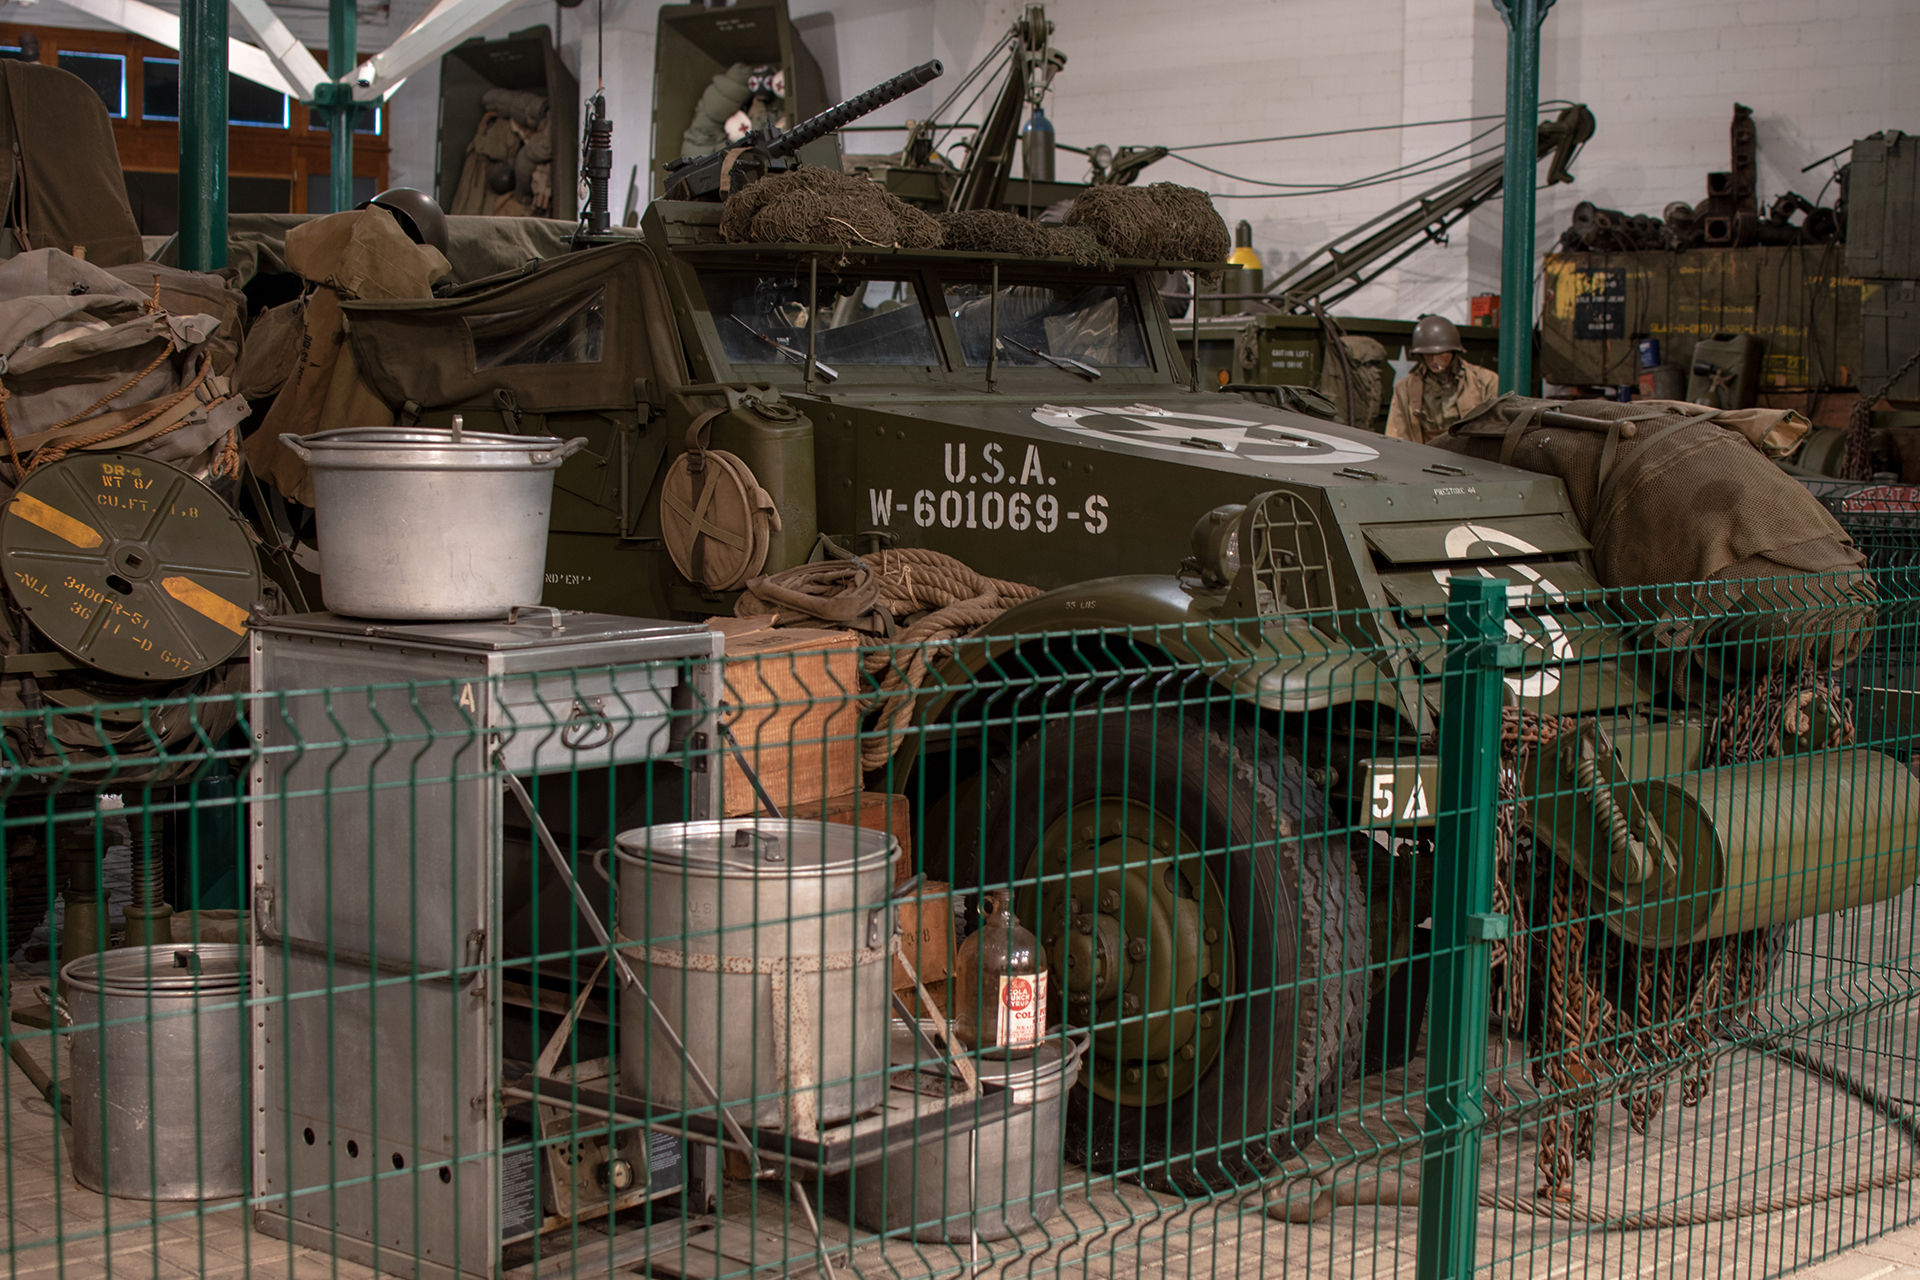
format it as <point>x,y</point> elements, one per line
<point>858,319</point>
<point>1094,324</point>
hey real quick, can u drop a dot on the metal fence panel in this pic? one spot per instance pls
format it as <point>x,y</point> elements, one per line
<point>1515,936</point>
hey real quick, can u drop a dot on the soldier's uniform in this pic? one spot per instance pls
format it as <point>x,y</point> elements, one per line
<point>1426,403</point>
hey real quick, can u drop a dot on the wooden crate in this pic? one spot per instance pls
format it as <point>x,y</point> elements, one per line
<point>870,811</point>
<point>1796,299</point>
<point>926,935</point>
<point>793,704</point>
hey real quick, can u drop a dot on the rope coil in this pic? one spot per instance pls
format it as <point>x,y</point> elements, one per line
<point>912,598</point>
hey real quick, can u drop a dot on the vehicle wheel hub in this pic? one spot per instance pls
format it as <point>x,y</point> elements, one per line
<point>1138,947</point>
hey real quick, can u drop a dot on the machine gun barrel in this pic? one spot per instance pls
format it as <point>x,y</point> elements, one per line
<point>785,144</point>
<point>718,175</point>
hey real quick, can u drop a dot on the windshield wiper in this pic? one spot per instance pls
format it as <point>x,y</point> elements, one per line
<point>820,366</point>
<point>1068,363</point>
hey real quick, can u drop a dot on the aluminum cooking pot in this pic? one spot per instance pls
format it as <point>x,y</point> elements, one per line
<point>160,1049</point>
<point>769,948</point>
<point>422,526</point>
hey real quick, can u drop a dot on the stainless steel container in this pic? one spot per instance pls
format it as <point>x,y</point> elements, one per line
<point>431,526</point>
<point>769,944</point>
<point>159,1071</point>
<point>994,1179</point>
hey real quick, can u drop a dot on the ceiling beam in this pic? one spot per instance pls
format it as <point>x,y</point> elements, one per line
<point>449,22</point>
<point>289,57</point>
<point>161,27</point>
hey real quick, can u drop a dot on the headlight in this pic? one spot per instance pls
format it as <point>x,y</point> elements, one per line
<point>1216,544</point>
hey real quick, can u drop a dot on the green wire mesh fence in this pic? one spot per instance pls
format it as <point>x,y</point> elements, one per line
<point>1515,928</point>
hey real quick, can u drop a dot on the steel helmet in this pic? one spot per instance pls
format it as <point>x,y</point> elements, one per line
<point>417,213</point>
<point>1434,334</point>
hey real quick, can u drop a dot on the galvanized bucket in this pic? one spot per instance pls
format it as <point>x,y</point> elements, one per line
<point>992,1180</point>
<point>160,1041</point>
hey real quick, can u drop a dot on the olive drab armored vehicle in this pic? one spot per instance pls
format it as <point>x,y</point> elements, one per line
<point>1033,418</point>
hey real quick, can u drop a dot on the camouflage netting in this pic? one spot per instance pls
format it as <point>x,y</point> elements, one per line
<point>1163,222</point>
<point>813,205</point>
<point>1078,244</point>
<point>996,231</point>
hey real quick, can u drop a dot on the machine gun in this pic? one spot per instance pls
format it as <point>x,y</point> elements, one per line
<point>717,176</point>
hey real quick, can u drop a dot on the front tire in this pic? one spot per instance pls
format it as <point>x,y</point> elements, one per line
<point>1193,918</point>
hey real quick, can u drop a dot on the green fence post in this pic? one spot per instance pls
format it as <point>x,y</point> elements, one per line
<point>342,38</point>
<point>203,134</point>
<point>1463,920</point>
<point>1523,18</point>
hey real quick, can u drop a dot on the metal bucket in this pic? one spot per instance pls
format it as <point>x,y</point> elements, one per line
<point>421,525</point>
<point>159,1082</point>
<point>997,1178</point>
<point>769,951</point>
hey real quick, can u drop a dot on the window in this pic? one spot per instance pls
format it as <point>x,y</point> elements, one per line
<point>159,88</point>
<point>369,123</point>
<point>105,74</point>
<point>14,53</point>
<point>862,319</point>
<point>1094,324</point>
<point>572,332</point>
<point>247,103</point>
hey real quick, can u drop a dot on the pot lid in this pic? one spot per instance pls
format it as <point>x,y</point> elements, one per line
<point>178,969</point>
<point>758,846</point>
<point>427,437</point>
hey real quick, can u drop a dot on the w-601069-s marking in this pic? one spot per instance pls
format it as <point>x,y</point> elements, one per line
<point>1009,507</point>
<point>992,509</point>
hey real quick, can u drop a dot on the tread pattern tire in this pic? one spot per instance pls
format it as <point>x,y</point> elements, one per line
<point>1296,909</point>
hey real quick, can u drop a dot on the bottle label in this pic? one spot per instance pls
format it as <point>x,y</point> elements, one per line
<point>1022,1010</point>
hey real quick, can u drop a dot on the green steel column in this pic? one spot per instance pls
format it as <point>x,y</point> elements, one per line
<point>1523,158</point>
<point>203,134</point>
<point>1463,923</point>
<point>343,38</point>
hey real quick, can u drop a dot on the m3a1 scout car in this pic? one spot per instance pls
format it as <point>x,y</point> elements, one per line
<point>1048,433</point>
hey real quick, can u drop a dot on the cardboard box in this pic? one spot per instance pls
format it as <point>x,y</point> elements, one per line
<point>926,935</point>
<point>870,811</point>
<point>793,697</point>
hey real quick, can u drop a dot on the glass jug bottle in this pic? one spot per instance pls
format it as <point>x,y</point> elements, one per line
<point>1000,984</point>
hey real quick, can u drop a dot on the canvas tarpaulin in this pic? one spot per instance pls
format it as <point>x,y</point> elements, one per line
<point>90,363</point>
<point>1670,492</point>
<point>63,184</point>
<point>575,334</point>
<point>477,248</point>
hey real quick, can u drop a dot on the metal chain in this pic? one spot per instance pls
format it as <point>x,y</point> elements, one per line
<point>1859,459</point>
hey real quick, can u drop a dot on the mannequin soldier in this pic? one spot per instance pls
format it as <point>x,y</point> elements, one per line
<point>1441,387</point>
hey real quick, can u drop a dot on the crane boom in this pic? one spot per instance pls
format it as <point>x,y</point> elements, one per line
<point>1350,261</point>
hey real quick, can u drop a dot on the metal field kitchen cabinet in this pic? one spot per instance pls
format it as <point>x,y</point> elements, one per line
<point>393,950</point>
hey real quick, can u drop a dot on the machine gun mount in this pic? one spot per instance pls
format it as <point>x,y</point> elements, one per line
<point>719,175</point>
